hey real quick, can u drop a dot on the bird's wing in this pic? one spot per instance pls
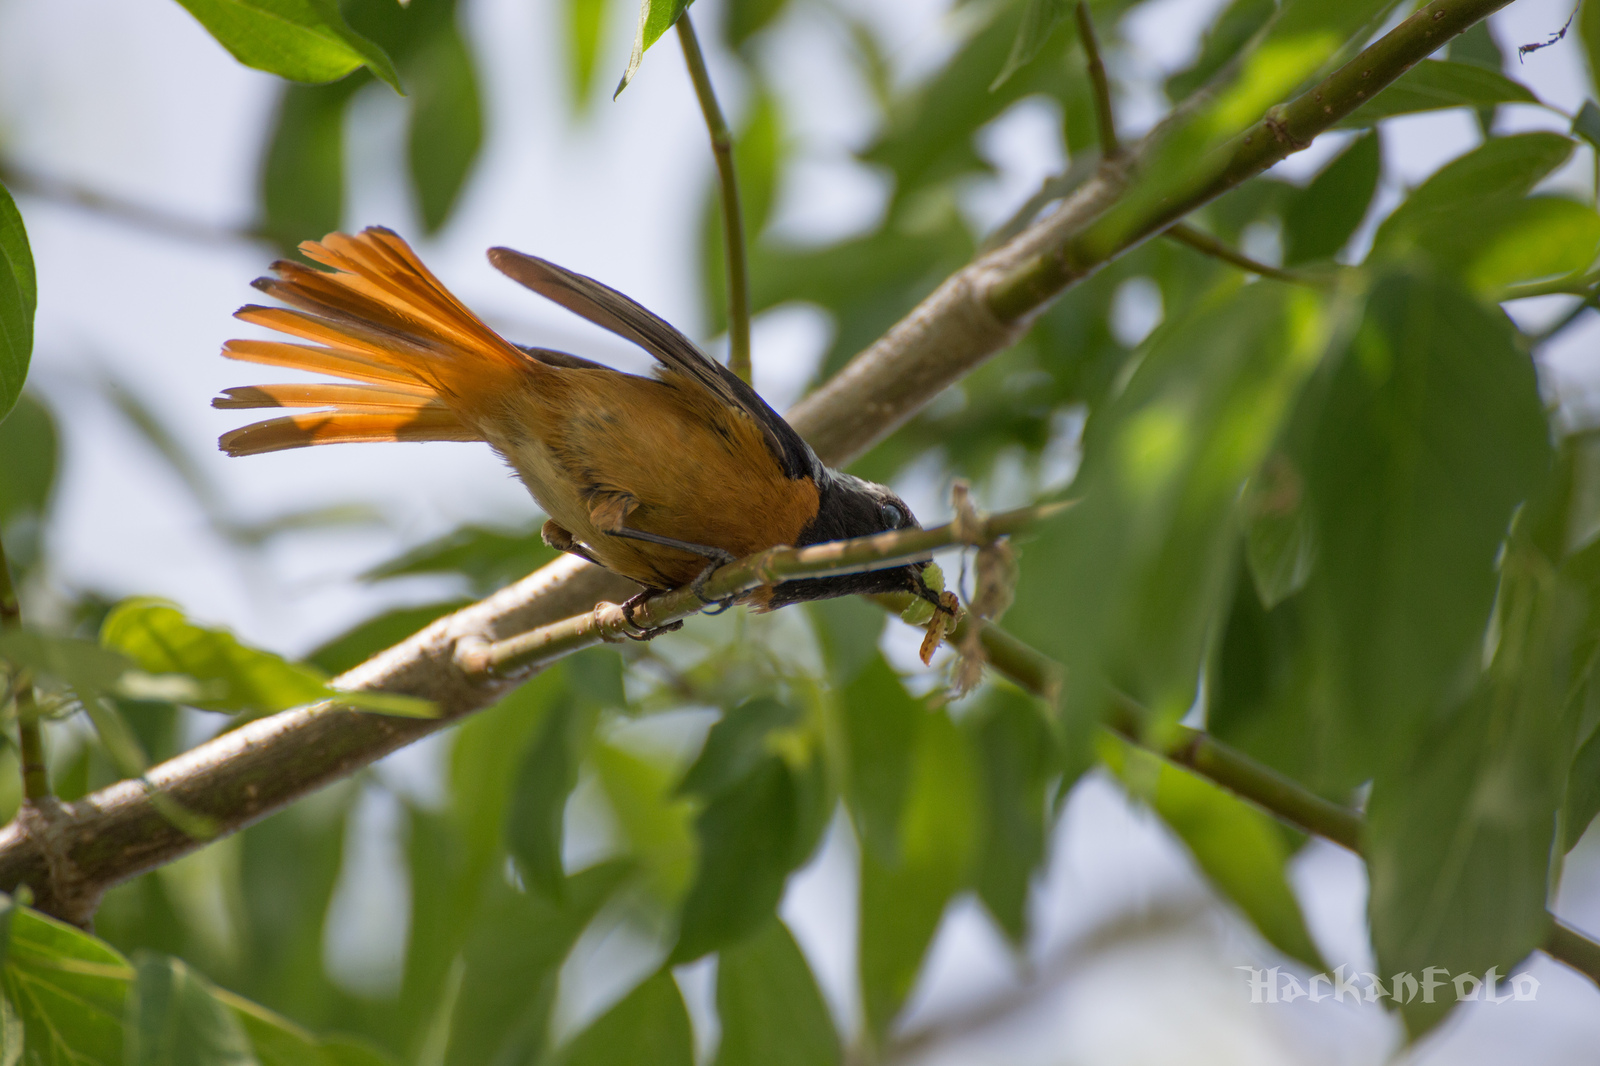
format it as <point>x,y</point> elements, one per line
<point>610,309</point>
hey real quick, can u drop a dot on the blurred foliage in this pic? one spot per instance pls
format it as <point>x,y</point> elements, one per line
<point>1338,522</point>
<point>302,174</point>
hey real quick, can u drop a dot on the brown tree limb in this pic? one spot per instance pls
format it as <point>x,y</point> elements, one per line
<point>237,778</point>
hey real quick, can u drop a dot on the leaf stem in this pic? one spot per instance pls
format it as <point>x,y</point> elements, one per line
<point>737,268</point>
<point>1206,244</point>
<point>30,742</point>
<point>1099,84</point>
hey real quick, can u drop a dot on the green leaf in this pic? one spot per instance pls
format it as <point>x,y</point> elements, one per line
<point>539,796</point>
<point>1320,219</point>
<point>654,821</point>
<point>235,678</point>
<point>1279,546</point>
<point>1435,84</point>
<point>11,1034</point>
<point>446,122</point>
<point>881,725</point>
<point>1239,22</point>
<point>1503,168</point>
<point>929,133</point>
<point>1017,759</point>
<point>364,640</point>
<point>1458,837</point>
<point>275,1040</point>
<point>746,18</point>
<point>302,40</point>
<point>347,1051</point>
<point>848,628</point>
<point>1145,558</point>
<point>1240,850</point>
<point>1268,694</point>
<point>28,441</point>
<point>902,901</point>
<point>302,170</point>
<point>1039,20</point>
<point>748,836</point>
<point>1583,791</point>
<point>487,558</point>
<point>512,962</point>
<point>585,33</point>
<point>1512,238</point>
<point>595,676</point>
<point>484,764</point>
<point>1589,34</point>
<point>1431,431</point>
<point>771,1011</point>
<point>1586,123</point>
<point>18,296</point>
<point>1478,47</point>
<point>736,745</point>
<point>655,18</point>
<point>175,1020</point>
<point>69,990</point>
<point>650,1024</point>
<point>1526,240</point>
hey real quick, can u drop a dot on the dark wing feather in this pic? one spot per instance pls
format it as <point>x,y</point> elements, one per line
<point>609,309</point>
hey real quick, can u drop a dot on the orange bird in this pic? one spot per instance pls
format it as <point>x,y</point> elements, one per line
<point>659,479</point>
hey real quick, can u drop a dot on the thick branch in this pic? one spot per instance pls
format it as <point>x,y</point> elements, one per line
<point>235,779</point>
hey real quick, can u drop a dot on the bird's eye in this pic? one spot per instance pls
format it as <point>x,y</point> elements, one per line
<point>893,516</point>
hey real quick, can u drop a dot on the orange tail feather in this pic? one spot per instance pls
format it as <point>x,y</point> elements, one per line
<point>424,364</point>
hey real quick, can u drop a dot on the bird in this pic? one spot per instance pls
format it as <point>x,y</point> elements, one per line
<point>658,478</point>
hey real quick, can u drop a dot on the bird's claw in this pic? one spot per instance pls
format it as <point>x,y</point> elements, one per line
<point>635,631</point>
<point>698,586</point>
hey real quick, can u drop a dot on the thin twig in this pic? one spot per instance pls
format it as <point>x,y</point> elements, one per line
<point>606,623</point>
<point>118,209</point>
<point>30,742</point>
<point>737,268</point>
<point>1206,244</point>
<point>1110,147</point>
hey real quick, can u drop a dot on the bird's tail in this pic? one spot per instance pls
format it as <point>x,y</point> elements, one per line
<point>422,365</point>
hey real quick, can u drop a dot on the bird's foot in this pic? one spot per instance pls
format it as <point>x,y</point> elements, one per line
<point>634,630</point>
<point>698,585</point>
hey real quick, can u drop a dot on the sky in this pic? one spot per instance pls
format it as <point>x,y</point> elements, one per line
<point>133,99</point>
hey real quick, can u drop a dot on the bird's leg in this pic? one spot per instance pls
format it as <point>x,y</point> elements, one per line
<point>561,540</point>
<point>717,556</point>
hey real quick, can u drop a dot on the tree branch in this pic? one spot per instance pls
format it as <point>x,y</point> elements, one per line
<point>125,211</point>
<point>1072,255</point>
<point>734,259</point>
<point>236,778</point>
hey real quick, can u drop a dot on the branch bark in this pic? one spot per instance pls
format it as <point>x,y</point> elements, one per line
<point>235,779</point>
